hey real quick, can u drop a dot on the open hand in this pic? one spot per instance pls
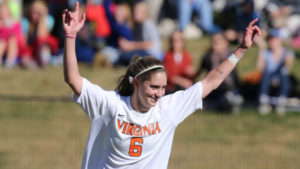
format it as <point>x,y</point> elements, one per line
<point>72,21</point>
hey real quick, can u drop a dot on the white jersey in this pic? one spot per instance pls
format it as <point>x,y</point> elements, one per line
<point>120,137</point>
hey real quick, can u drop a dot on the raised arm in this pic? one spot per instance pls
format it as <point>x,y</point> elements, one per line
<point>216,76</point>
<point>72,22</point>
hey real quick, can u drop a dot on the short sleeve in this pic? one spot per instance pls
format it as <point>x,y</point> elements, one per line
<point>50,22</point>
<point>291,53</point>
<point>94,100</point>
<point>25,25</point>
<point>183,103</point>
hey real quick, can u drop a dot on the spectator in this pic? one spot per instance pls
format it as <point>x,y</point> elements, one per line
<point>86,45</point>
<point>244,14</point>
<point>178,64</point>
<point>89,40</point>
<point>95,13</point>
<point>120,23</point>
<point>227,96</point>
<point>10,36</point>
<point>55,7</point>
<point>41,45</point>
<point>274,63</point>
<point>146,39</point>
<point>204,11</point>
<point>283,15</point>
<point>154,9</point>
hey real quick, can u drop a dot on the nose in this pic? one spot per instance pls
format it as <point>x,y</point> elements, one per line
<point>160,93</point>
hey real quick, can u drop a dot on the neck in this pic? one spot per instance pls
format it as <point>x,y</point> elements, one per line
<point>276,50</point>
<point>137,105</point>
<point>178,50</point>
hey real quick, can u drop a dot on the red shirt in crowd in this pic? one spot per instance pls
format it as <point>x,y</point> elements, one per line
<point>176,65</point>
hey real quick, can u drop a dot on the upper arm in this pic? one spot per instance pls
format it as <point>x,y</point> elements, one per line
<point>76,85</point>
<point>94,100</point>
<point>289,60</point>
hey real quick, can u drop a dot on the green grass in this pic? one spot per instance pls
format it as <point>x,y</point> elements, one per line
<point>36,133</point>
<point>243,141</point>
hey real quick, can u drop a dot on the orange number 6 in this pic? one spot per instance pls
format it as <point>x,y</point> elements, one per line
<point>134,149</point>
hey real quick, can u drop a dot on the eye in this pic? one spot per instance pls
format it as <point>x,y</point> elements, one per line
<point>154,87</point>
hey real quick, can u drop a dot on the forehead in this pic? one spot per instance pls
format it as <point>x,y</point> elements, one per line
<point>159,77</point>
<point>218,37</point>
<point>177,34</point>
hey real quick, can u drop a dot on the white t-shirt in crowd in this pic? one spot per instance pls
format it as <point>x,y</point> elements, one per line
<point>120,137</point>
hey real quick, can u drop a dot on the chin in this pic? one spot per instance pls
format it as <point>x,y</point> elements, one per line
<point>152,103</point>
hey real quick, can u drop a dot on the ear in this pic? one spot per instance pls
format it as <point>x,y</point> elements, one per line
<point>135,82</point>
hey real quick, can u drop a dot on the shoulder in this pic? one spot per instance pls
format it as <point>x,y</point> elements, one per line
<point>95,89</point>
<point>168,54</point>
<point>149,22</point>
<point>289,53</point>
<point>149,26</point>
<point>168,58</point>
<point>186,54</point>
<point>266,53</point>
<point>25,25</point>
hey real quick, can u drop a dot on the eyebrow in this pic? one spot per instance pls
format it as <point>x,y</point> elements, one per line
<point>158,86</point>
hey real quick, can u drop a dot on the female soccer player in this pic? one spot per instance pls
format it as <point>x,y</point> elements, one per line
<point>133,127</point>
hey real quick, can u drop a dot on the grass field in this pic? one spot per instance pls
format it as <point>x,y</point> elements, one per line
<point>39,128</point>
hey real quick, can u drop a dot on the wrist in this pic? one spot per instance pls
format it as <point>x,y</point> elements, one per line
<point>233,59</point>
<point>70,35</point>
<point>239,52</point>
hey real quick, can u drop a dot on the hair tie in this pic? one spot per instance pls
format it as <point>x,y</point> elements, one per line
<point>130,78</point>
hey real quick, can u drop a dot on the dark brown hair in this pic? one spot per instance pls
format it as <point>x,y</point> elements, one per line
<point>137,65</point>
<point>171,47</point>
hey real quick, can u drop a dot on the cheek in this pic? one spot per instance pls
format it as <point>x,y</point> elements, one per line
<point>149,92</point>
<point>163,92</point>
<point>144,92</point>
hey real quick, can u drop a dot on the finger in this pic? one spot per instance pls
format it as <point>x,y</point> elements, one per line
<point>253,22</point>
<point>65,11</point>
<point>71,15</point>
<point>82,19</point>
<point>77,6</point>
<point>257,30</point>
<point>64,15</point>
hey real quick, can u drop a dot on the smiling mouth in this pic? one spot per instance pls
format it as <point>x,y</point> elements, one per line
<point>153,99</point>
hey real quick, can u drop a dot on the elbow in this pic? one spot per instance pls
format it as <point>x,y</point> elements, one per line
<point>210,85</point>
<point>67,80</point>
<point>70,81</point>
<point>213,87</point>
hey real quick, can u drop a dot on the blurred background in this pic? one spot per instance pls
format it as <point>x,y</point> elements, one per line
<point>251,121</point>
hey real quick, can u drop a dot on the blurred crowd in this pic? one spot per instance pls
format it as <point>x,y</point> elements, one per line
<point>31,36</point>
